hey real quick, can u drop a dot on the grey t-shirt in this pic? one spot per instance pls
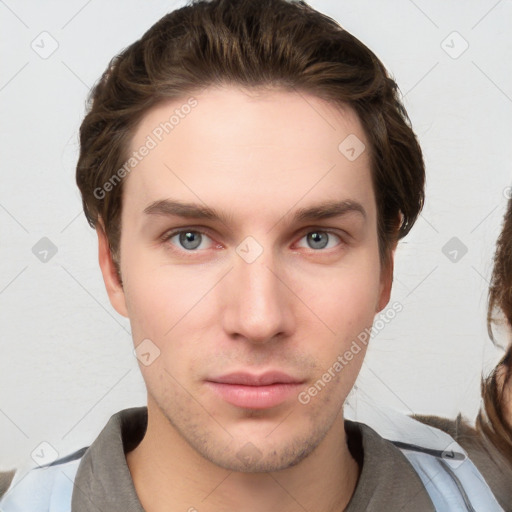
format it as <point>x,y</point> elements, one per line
<point>387,480</point>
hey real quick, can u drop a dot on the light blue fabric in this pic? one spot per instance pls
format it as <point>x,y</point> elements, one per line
<point>451,479</point>
<point>441,477</point>
<point>45,489</point>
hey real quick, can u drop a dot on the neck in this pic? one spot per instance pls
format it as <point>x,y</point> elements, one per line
<point>168,474</point>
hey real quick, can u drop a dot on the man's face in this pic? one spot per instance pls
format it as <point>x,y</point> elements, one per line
<point>260,290</point>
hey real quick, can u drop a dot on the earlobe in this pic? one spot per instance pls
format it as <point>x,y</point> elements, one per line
<point>113,285</point>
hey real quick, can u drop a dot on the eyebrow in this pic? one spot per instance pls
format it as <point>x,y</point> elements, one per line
<point>326,210</point>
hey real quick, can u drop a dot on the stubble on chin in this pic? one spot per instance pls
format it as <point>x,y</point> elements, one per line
<point>277,448</point>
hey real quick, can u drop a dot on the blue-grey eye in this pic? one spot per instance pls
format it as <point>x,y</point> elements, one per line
<point>317,239</point>
<point>190,239</point>
<point>320,240</point>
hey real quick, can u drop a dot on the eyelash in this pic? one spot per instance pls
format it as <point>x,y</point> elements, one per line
<point>191,252</point>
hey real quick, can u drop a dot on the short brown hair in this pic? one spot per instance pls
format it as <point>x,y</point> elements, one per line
<point>250,43</point>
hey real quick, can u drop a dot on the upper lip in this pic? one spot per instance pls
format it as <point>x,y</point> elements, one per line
<point>263,379</point>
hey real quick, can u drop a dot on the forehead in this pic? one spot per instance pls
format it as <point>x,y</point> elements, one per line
<point>250,149</point>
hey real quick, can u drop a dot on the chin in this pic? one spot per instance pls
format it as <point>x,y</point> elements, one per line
<point>250,459</point>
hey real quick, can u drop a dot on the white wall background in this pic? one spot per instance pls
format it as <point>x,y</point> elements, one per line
<point>66,360</point>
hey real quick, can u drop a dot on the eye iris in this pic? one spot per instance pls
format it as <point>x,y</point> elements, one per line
<point>318,239</point>
<point>190,239</point>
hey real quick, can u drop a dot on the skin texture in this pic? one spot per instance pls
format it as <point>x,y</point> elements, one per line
<point>256,157</point>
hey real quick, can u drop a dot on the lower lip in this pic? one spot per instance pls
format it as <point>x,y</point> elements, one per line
<point>255,397</point>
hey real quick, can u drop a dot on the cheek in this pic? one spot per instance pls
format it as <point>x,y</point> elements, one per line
<point>345,298</point>
<point>149,306</point>
<point>161,313</point>
<point>345,305</point>
<point>150,288</point>
<point>168,304</point>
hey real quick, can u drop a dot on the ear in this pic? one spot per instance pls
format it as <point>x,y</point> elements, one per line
<point>110,277</point>
<point>386,279</point>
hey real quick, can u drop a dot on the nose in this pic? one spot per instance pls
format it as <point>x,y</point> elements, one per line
<point>258,305</point>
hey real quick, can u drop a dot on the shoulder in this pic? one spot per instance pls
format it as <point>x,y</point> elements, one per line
<point>45,488</point>
<point>448,474</point>
<point>489,458</point>
<point>387,481</point>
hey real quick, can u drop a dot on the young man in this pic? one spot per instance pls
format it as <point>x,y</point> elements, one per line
<point>249,169</point>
